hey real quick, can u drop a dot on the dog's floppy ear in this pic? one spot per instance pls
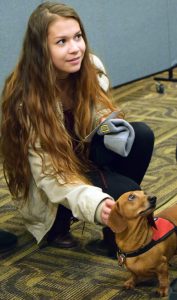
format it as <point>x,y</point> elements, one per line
<point>116,222</point>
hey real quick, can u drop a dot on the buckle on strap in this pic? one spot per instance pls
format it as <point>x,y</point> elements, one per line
<point>121,259</point>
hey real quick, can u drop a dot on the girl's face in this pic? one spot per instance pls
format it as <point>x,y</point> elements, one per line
<point>66,45</point>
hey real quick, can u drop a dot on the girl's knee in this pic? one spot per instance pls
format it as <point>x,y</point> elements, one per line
<point>143,131</point>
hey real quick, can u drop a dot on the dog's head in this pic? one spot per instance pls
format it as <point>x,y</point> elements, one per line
<point>131,205</point>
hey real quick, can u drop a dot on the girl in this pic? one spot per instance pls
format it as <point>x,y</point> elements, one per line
<point>56,95</point>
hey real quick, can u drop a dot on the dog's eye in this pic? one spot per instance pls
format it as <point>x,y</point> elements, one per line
<point>131,197</point>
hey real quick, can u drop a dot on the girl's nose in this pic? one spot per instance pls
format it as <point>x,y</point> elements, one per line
<point>73,46</point>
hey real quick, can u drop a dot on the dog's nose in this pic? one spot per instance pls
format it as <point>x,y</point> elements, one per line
<point>152,200</point>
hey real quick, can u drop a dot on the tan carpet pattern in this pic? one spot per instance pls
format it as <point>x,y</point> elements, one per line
<point>30,273</point>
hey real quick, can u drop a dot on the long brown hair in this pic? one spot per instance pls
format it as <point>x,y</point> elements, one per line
<point>29,101</point>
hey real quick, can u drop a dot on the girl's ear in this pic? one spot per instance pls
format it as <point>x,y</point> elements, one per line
<point>116,222</point>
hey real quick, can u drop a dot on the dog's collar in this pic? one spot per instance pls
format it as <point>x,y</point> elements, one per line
<point>155,240</point>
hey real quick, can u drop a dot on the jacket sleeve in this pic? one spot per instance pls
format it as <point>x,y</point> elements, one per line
<point>104,84</point>
<point>81,198</point>
<point>102,77</point>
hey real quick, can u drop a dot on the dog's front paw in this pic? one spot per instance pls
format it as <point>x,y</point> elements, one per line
<point>130,283</point>
<point>162,291</point>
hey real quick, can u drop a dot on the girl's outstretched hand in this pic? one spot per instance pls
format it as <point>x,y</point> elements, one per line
<point>106,209</point>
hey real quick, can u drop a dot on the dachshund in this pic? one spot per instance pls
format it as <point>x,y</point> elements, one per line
<point>145,241</point>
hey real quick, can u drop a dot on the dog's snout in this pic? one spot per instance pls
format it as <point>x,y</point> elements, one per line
<point>152,200</point>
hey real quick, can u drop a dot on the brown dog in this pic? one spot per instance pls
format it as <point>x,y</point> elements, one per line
<point>136,236</point>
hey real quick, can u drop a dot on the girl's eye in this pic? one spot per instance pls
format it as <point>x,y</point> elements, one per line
<point>61,42</point>
<point>78,36</point>
<point>131,197</point>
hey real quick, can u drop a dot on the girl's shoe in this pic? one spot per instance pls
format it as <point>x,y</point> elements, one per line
<point>63,241</point>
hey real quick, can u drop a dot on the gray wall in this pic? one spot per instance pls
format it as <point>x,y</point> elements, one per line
<point>172,18</point>
<point>134,38</point>
<point>14,16</point>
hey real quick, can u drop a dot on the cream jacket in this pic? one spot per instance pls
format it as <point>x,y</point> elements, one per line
<point>46,192</point>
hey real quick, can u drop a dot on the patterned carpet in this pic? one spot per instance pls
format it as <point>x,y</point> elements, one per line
<point>31,273</point>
